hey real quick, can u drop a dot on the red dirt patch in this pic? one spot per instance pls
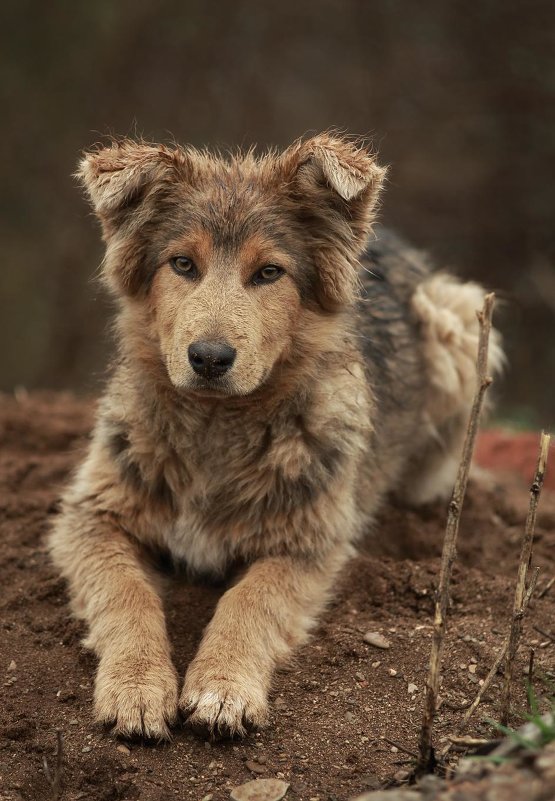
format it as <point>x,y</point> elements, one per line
<point>507,452</point>
<point>332,708</point>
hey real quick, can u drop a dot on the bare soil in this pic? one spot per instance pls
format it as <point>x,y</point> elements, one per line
<point>343,713</point>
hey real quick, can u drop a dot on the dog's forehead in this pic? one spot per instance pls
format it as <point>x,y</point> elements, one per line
<point>233,203</point>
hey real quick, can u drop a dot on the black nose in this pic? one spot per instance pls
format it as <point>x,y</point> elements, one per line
<point>211,359</point>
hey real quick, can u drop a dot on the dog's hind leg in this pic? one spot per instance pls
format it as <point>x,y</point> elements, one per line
<point>446,310</point>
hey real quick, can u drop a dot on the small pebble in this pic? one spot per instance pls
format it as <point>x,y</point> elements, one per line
<point>376,664</point>
<point>12,666</point>
<point>360,677</point>
<point>376,639</point>
<point>392,672</point>
<point>255,767</point>
<point>86,749</point>
<point>412,688</point>
<point>123,749</point>
<point>349,717</point>
<point>73,722</point>
<point>472,668</point>
<point>260,790</point>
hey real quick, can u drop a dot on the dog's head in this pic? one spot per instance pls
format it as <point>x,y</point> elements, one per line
<point>219,261</point>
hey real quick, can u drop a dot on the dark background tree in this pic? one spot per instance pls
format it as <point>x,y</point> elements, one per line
<point>458,97</point>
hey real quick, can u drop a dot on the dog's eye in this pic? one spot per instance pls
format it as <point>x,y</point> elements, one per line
<point>182,265</point>
<point>268,274</point>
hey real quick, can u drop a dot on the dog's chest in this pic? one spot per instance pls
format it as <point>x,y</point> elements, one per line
<point>212,511</point>
<point>244,479</point>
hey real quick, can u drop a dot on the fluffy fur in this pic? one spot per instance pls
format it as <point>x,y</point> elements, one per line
<point>353,373</point>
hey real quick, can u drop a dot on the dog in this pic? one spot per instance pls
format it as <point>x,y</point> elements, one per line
<point>282,364</point>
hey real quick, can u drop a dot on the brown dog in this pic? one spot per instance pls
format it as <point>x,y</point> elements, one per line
<point>270,388</point>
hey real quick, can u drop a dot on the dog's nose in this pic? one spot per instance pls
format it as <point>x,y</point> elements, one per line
<point>211,359</point>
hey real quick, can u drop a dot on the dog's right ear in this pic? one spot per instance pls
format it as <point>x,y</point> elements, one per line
<point>120,180</point>
<point>118,177</point>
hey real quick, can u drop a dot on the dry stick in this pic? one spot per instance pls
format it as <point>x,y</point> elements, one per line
<point>519,606</point>
<point>425,762</point>
<point>544,633</point>
<point>524,564</point>
<point>494,668</point>
<point>547,587</point>
<point>55,778</point>
<point>530,677</point>
<point>466,740</point>
<point>401,747</point>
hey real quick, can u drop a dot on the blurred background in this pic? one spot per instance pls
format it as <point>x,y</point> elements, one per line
<point>458,98</point>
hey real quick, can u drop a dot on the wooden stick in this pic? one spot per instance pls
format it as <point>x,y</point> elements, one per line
<point>544,633</point>
<point>547,587</point>
<point>55,777</point>
<point>469,741</point>
<point>401,747</point>
<point>494,668</point>
<point>523,566</point>
<point>426,754</point>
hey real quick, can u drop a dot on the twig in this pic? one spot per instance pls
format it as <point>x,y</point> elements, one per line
<point>544,633</point>
<point>401,747</point>
<point>426,754</point>
<point>547,587</point>
<point>530,676</point>
<point>494,668</point>
<point>55,778</point>
<point>466,740</point>
<point>531,660</point>
<point>523,566</point>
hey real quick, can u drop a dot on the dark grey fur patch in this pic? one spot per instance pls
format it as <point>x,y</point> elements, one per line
<point>329,455</point>
<point>157,491</point>
<point>225,506</point>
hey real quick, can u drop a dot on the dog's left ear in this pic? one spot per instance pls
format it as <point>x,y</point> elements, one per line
<point>336,185</point>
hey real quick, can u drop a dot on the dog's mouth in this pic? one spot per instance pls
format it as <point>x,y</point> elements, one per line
<point>222,388</point>
<point>210,387</point>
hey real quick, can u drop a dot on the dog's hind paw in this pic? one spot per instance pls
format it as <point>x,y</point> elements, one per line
<point>223,707</point>
<point>136,700</point>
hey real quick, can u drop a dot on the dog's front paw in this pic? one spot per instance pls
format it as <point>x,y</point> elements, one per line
<point>223,705</point>
<point>137,698</point>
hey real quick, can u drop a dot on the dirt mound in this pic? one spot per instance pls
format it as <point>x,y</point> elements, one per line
<point>343,712</point>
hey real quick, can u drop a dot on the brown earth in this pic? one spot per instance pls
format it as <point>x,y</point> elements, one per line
<point>336,704</point>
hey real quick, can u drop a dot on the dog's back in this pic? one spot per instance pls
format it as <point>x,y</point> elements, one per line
<point>419,333</point>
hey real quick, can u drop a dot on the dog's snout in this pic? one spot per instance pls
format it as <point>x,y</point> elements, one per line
<point>211,359</point>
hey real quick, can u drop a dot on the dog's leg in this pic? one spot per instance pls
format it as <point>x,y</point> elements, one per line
<point>256,624</point>
<point>136,683</point>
